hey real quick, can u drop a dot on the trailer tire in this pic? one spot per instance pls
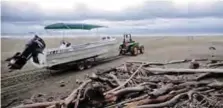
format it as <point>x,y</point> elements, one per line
<point>88,64</point>
<point>80,65</point>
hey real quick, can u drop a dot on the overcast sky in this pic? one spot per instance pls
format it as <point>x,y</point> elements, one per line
<point>135,16</point>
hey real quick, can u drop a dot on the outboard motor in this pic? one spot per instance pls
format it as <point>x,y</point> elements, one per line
<point>33,48</point>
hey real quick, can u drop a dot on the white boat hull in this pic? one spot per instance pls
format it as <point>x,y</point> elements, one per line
<point>57,56</point>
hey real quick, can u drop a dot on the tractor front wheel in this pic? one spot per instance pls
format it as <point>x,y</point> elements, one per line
<point>142,50</point>
<point>122,52</point>
<point>135,51</point>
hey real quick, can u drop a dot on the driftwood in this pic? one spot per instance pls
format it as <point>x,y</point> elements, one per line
<point>38,105</point>
<point>146,64</point>
<point>119,93</point>
<point>148,101</point>
<point>74,93</point>
<point>159,99</point>
<point>162,90</point>
<point>77,99</point>
<point>128,101</point>
<point>165,63</point>
<point>165,104</point>
<point>172,70</point>
<point>136,85</point>
<point>115,78</point>
<point>128,90</point>
<point>125,81</point>
<point>203,75</point>
<point>215,65</point>
<point>104,79</point>
<point>178,61</point>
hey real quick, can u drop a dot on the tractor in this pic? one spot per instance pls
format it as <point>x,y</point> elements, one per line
<point>130,46</point>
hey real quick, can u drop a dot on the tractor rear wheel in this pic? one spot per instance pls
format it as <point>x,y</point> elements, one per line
<point>134,51</point>
<point>142,50</point>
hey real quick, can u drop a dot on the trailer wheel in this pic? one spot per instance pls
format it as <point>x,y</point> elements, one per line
<point>80,66</point>
<point>88,64</point>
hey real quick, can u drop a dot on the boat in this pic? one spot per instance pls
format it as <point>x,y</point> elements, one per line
<point>82,55</point>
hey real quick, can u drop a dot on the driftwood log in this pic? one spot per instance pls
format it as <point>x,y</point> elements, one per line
<point>172,70</point>
<point>74,93</point>
<point>126,80</point>
<point>164,104</point>
<point>136,84</point>
<point>215,65</point>
<point>40,105</point>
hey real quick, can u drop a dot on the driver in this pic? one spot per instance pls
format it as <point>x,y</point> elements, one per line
<point>65,44</point>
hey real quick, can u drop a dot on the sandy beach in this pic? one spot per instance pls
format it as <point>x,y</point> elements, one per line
<point>157,49</point>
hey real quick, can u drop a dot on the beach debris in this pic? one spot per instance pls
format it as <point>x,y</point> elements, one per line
<point>140,85</point>
<point>62,83</point>
<point>39,97</point>
<point>212,48</point>
<point>27,101</point>
<point>194,64</point>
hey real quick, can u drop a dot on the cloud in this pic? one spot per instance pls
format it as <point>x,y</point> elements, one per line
<point>149,17</point>
<point>21,11</point>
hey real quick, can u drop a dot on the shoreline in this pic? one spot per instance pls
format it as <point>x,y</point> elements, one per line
<point>91,36</point>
